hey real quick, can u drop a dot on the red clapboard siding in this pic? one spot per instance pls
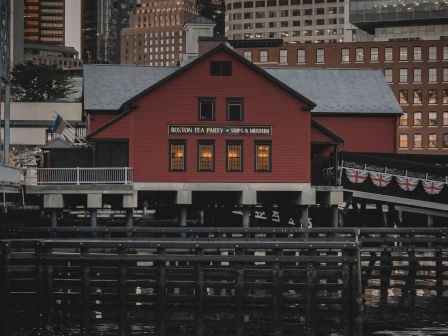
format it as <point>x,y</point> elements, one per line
<point>96,120</point>
<point>317,136</point>
<point>363,134</point>
<point>175,102</point>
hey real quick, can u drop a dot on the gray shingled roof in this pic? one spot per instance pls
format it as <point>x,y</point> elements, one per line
<point>341,90</point>
<point>107,87</point>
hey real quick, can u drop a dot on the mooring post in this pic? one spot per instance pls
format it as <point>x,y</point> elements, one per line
<point>5,287</point>
<point>130,221</point>
<point>310,300</point>
<point>93,221</point>
<point>85,290</point>
<point>335,215</point>
<point>246,216</point>
<point>54,218</point>
<point>183,215</point>
<point>161,293</point>
<point>123,293</point>
<point>239,294</point>
<point>385,273</point>
<point>277,295</point>
<point>439,272</point>
<point>346,294</point>
<point>357,293</point>
<point>200,294</point>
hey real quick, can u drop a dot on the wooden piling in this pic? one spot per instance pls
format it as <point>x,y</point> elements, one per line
<point>310,301</point>
<point>122,293</point>
<point>161,293</point>
<point>5,287</point>
<point>85,291</point>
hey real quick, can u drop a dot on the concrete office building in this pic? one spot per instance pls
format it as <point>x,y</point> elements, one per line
<point>294,21</point>
<point>386,20</point>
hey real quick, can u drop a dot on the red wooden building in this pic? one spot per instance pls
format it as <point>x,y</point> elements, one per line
<point>221,123</point>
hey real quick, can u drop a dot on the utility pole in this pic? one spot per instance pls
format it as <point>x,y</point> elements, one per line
<point>5,84</point>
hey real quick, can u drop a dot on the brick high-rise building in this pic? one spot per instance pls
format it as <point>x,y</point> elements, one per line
<point>416,70</point>
<point>156,37</point>
<point>44,21</point>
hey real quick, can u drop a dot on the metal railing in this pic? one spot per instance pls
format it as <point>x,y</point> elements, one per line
<point>78,176</point>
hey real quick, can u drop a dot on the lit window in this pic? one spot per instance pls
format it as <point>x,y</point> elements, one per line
<point>445,96</point>
<point>234,156</point>
<point>432,74</point>
<point>345,55</point>
<point>445,140</point>
<point>263,56</point>
<point>417,119</point>
<point>320,55</point>
<point>403,97</point>
<point>432,96</point>
<point>403,53</point>
<point>374,54</point>
<point>417,75</point>
<point>417,141</point>
<point>417,53</point>
<point>432,140</point>
<point>177,155</point>
<point>263,156</point>
<point>403,75</point>
<point>418,96</point>
<point>403,141</point>
<point>206,108</point>
<point>283,56</point>
<point>221,68</point>
<point>432,119</point>
<point>359,55</point>
<point>404,119</point>
<point>206,156</point>
<point>388,54</point>
<point>432,54</point>
<point>301,56</point>
<point>235,109</point>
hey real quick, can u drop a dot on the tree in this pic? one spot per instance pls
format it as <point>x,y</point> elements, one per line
<point>31,82</point>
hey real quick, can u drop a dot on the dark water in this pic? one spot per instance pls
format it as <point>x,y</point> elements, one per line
<point>419,316</point>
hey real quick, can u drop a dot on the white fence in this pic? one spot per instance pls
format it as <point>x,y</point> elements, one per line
<point>78,176</point>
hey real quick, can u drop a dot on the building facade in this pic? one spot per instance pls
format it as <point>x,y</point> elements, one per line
<point>399,20</point>
<point>417,72</point>
<point>44,21</point>
<point>157,37</point>
<point>58,56</point>
<point>294,21</point>
<point>101,25</point>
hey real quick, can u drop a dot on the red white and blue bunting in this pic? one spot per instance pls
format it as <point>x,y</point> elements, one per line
<point>383,180</point>
<point>356,175</point>
<point>380,179</point>
<point>433,187</point>
<point>407,183</point>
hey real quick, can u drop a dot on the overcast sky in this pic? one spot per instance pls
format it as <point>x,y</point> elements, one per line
<point>73,24</point>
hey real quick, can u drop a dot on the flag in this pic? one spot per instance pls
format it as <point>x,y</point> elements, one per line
<point>407,183</point>
<point>356,175</point>
<point>433,187</point>
<point>59,125</point>
<point>380,179</point>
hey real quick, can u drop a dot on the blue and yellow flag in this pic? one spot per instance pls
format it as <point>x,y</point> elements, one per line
<point>59,125</point>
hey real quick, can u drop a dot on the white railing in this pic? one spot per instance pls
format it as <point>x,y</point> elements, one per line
<point>78,176</point>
